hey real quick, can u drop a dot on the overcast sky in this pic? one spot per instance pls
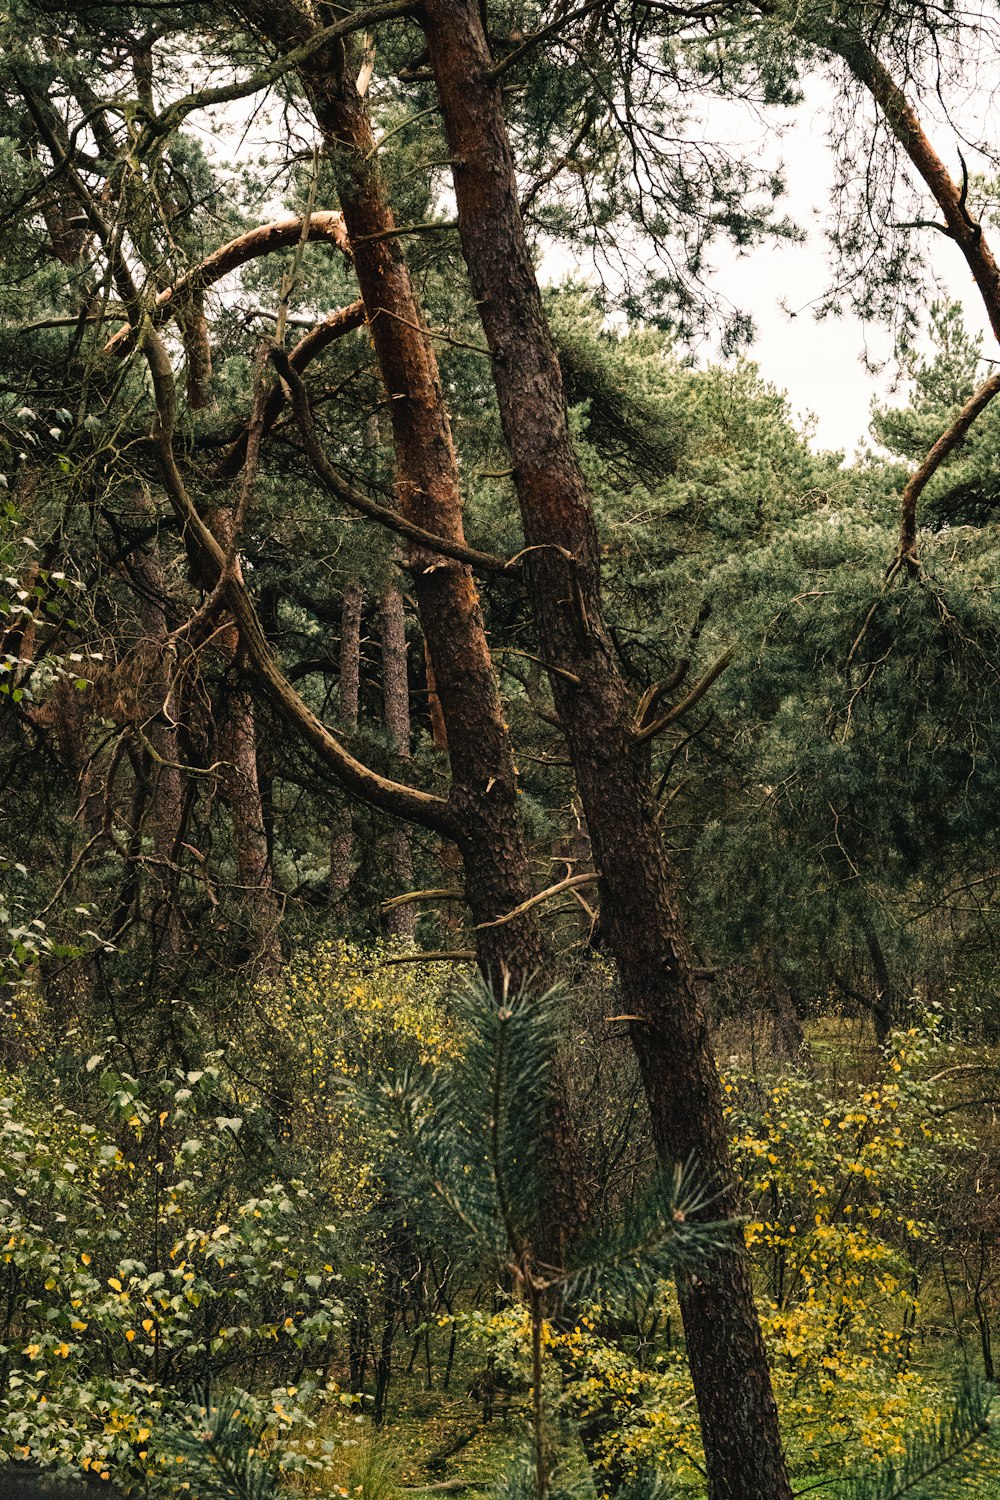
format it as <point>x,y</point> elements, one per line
<point>821,364</point>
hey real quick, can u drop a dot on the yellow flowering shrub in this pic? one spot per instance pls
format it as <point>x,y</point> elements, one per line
<point>134,1271</point>
<point>340,1013</point>
<point>842,1186</point>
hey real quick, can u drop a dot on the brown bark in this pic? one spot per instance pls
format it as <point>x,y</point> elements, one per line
<point>175,300</point>
<point>483,795</point>
<point>197,351</point>
<point>905,125</point>
<point>959,224</point>
<point>345,320</point>
<point>166,789</point>
<point>236,747</point>
<point>349,683</point>
<point>638,901</point>
<point>396,708</point>
<point>942,449</point>
<point>449,854</point>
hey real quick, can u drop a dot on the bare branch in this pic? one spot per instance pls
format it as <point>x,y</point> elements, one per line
<point>283,234</point>
<point>569,884</point>
<point>361,20</point>
<point>394,797</point>
<point>433,956</point>
<point>942,449</point>
<point>442,893</point>
<point>647,731</point>
<point>905,125</point>
<point>320,337</point>
<point>348,495</point>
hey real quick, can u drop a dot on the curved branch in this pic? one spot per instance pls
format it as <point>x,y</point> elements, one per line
<point>905,125</point>
<point>942,449</point>
<point>360,20</point>
<point>403,801</point>
<point>569,884</point>
<point>439,893</point>
<point>647,731</point>
<point>338,486</point>
<point>967,233</point>
<point>263,240</point>
<point>393,797</point>
<point>339,323</point>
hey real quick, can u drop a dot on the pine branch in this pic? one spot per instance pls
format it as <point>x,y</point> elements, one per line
<point>933,1452</point>
<point>662,1230</point>
<point>223,1457</point>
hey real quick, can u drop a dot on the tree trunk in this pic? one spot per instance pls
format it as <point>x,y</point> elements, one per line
<point>887,1007</point>
<point>449,854</point>
<point>396,701</point>
<point>639,912</point>
<point>236,746</point>
<point>484,787</point>
<point>349,683</point>
<point>239,782</point>
<point>166,795</point>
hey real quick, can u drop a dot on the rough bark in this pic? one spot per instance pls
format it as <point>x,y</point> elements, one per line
<point>638,902</point>
<point>144,570</point>
<point>348,693</point>
<point>236,746</point>
<point>484,789</point>
<point>960,225</point>
<point>283,234</point>
<point>396,708</point>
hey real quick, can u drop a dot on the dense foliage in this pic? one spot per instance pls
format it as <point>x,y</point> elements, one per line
<point>294,1200</point>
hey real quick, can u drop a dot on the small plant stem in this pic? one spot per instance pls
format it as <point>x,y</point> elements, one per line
<point>537,1394</point>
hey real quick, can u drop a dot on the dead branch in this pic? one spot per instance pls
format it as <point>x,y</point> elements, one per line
<point>647,731</point>
<point>569,884</point>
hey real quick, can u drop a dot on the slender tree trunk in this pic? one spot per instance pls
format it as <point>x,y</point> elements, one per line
<point>349,685</point>
<point>166,796</point>
<point>197,351</point>
<point>239,782</point>
<point>396,701</point>
<point>639,910</point>
<point>449,854</point>
<point>887,1009</point>
<point>236,746</point>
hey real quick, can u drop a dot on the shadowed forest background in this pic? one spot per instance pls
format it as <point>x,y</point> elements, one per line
<point>499,841</point>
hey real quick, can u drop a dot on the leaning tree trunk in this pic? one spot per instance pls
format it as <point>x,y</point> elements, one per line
<point>639,907</point>
<point>484,785</point>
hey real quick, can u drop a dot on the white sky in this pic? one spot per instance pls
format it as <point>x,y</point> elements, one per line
<point>821,364</point>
